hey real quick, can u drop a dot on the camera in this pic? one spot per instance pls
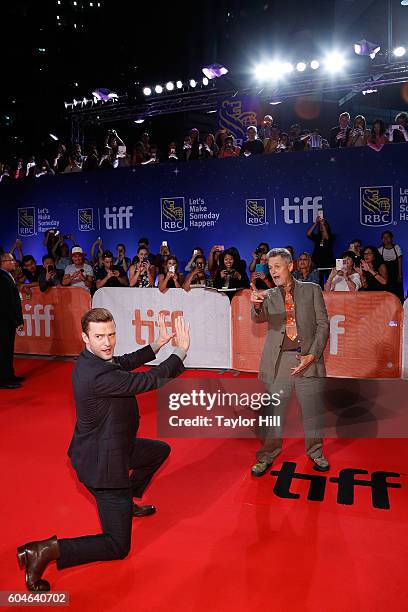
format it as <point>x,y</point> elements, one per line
<point>50,268</point>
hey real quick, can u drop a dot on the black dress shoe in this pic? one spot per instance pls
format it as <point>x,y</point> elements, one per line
<point>10,385</point>
<point>35,556</point>
<point>18,379</point>
<point>143,510</point>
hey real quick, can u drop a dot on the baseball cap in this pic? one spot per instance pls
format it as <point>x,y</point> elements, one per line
<point>76,249</point>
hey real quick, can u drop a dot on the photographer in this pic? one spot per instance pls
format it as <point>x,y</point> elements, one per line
<point>78,273</point>
<point>398,132</point>
<point>197,276</point>
<point>121,261</point>
<point>49,276</point>
<point>373,272</point>
<point>263,247</point>
<point>230,274</point>
<point>196,251</point>
<point>142,273</point>
<point>60,251</point>
<point>339,135</point>
<point>110,275</point>
<point>209,148</point>
<point>323,239</point>
<point>261,277</point>
<point>214,258</point>
<point>344,278</point>
<point>359,134</point>
<point>171,279</point>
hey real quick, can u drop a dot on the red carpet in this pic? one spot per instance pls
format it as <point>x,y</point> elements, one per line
<point>221,541</point>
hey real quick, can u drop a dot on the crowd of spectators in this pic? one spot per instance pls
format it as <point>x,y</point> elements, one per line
<point>267,139</point>
<point>358,268</point>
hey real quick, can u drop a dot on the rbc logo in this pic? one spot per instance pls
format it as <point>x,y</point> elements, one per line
<point>376,206</point>
<point>37,317</point>
<point>26,221</point>
<point>309,204</point>
<point>255,212</point>
<point>85,219</point>
<point>173,215</point>
<point>114,220</point>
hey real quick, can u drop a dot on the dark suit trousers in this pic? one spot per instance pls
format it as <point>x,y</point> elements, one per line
<point>115,510</point>
<point>7,337</point>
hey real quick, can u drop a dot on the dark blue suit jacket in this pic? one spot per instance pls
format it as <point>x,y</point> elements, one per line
<point>107,413</point>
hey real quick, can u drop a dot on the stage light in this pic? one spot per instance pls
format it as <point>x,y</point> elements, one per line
<point>179,85</point>
<point>334,62</point>
<point>213,71</point>
<point>193,83</point>
<point>301,66</point>
<point>140,120</point>
<point>285,68</point>
<point>404,2</point>
<point>205,81</point>
<point>147,91</point>
<point>158,89</point>
<point>399,51</point>
<point>262,72</point>
<point>314,64</point>
<point>104,94</point>
<point>275,102</point>
<point>170,86</point>
<point>53,136</point>
<point>366,48</point>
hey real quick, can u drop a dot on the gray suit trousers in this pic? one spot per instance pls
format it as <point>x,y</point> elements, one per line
<point>310,394</point>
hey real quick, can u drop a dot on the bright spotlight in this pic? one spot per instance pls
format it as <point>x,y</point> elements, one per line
<point>193,83</point>
<point>53,136</point>
<point>286,67</point>
<point>301,66</point>
<point>158,89</point>
<point>334,62</point>
<point>147,91</point>
<point>214,71</point>
<point>170,86</point>
<point>366,48</point>
<point>179,84</point>
<point>140,120</point>
<point>262,72</point>
<point>404,2</point>
<point>399,51</point>
<point>205,81</point>
<point>314,64</point>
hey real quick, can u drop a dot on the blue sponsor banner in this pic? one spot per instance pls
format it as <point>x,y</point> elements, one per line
<point>240,201</point>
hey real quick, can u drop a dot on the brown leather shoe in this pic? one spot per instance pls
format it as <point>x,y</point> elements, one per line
<point>35,556</point>
<point>143,510</point>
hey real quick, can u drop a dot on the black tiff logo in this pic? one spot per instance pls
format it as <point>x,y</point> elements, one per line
<point>346,483</point>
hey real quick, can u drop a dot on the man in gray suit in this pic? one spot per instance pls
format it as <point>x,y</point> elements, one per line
<point>298,330</point>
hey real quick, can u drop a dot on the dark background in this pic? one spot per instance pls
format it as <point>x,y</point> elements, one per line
<point>124,46</point>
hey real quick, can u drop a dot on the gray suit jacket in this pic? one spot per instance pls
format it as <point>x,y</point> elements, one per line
<point>312,325</point>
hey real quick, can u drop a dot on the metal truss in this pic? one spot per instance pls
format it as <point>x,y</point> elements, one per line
<point>206,99</point>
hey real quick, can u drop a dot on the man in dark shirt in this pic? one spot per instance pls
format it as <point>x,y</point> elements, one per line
<point>110,275</point>
<point>252,146</point>
<point>49,276</point>
<point>339,135</point>
<point>104,449</point>
<point>31,270</point>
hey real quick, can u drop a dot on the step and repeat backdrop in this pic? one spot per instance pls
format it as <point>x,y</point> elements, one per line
<point>273,198</point>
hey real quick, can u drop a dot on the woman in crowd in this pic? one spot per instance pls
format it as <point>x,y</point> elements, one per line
<point>305,272</point>
<point>392,255</point>
<point>378,137</point>
<point>229,148</point>
<point>142,273</point>
<point>346,279</point>
<point>195,144</point>
<point>197,276</point>
<point>359,134</point>
<point>323,239</point>
<point>162,257</point>
<point>196,251</point>
<point>262,278</point>
<point>171,278</point>
<point>373,272</point>
<point>263,247</point>
<point>209,148</point>
<point>230,273</point>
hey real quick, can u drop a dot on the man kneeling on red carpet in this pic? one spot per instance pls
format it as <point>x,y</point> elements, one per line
<point>104,448</point>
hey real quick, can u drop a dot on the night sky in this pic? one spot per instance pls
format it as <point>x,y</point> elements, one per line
<point>124,46</point>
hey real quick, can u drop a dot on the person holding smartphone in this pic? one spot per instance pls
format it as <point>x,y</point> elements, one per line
<point>196,251</point>
<point>344,276</point>
<point>261,277</point>
<point>49,276</point>
<point>171,278</point>
<point>142,273</point>
<point>197,276</point>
